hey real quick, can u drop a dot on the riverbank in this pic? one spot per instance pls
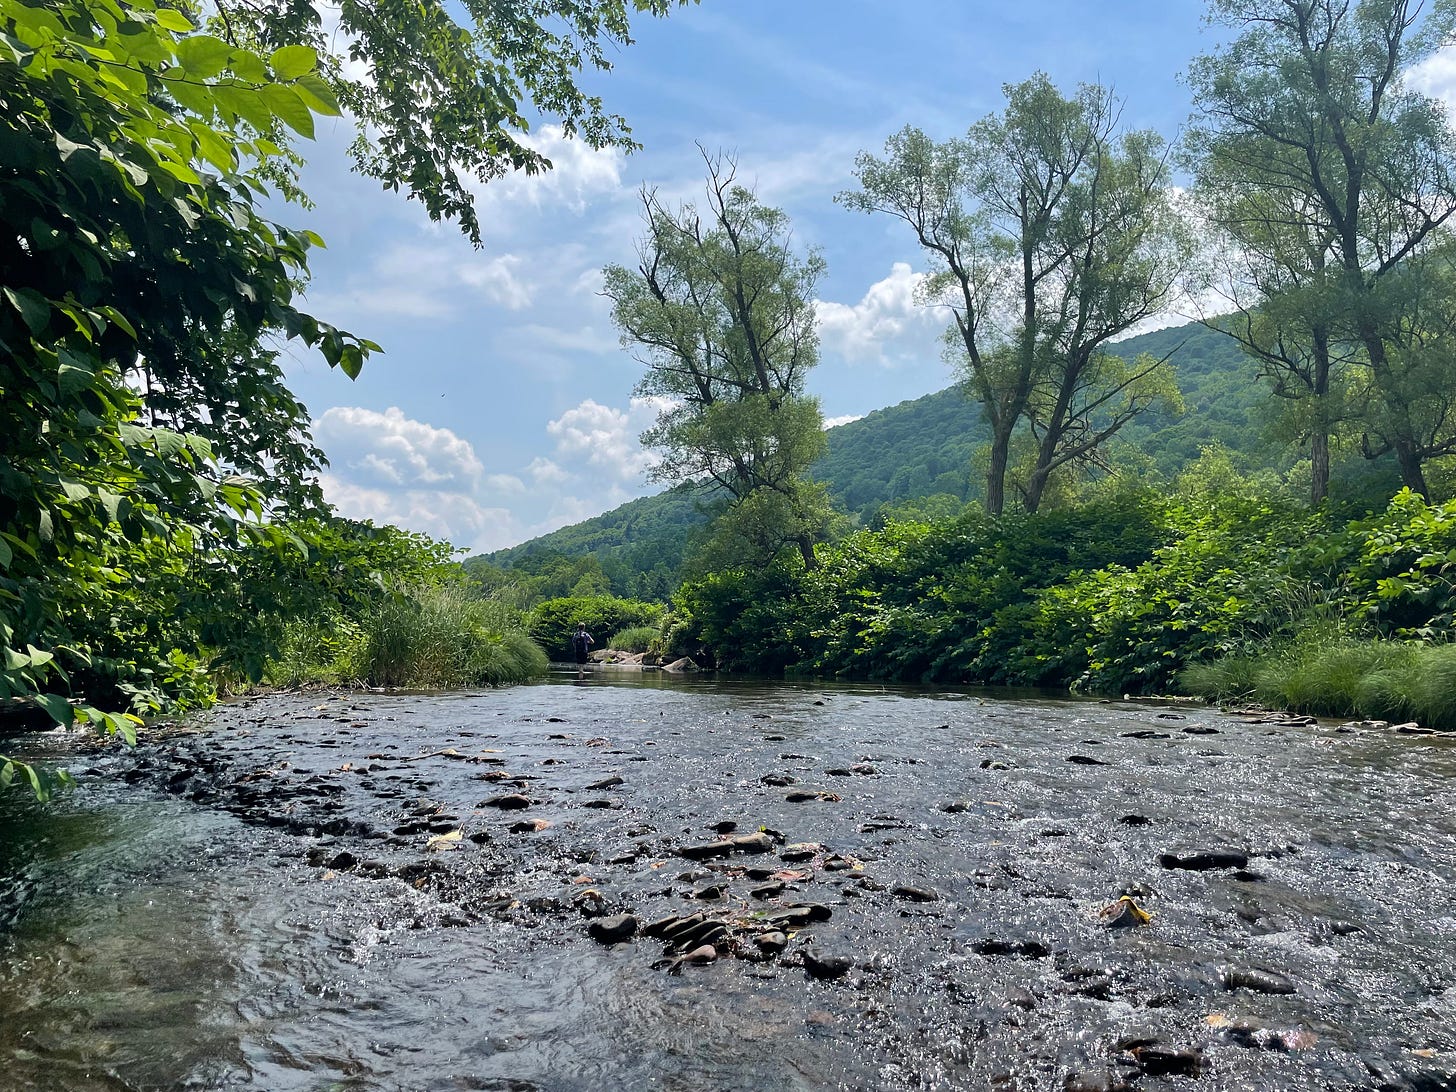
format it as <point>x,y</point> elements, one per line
<point>936,867</point>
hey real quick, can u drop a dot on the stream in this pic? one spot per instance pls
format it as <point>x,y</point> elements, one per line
<point>369,891</point>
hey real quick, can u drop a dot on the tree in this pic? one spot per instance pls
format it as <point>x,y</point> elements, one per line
<point>130,229</point>
<point>1307,104</point>
<point>720,311</point>
<point>1048,237</point>
<point>440,103</point>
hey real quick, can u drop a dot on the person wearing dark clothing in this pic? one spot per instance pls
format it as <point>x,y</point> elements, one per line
<point>581,643</point>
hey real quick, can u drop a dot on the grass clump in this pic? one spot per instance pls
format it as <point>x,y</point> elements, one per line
<point>443,637</point>
<point>633,639</point>
<point>1331,675</point>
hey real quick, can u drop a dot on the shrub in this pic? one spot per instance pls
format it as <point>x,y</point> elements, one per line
<point>552,622</point>
<point>634,639</point>
<point>444,637</point>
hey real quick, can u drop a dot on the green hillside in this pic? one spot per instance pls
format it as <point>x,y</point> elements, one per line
<point>904,453</point>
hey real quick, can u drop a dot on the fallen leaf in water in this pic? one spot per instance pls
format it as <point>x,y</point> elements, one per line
<point>656,864</point>
<point>329,876</point>
<point>1423,1052</point>
<point>791,874</point>
<point>444,841</point>
<point>583,879</point>
<point>1217,1020</point>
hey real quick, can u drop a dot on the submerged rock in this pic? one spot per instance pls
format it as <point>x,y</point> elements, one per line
<point>1205,860</point>
<point>511,801</point>
<point>1257,979</point>
<point>826,966</point>
<point>612,929</point>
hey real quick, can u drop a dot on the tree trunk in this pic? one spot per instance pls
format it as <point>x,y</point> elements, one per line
<point>1319,441</point>
<point>806,551</point>
<point>1408,453</point>
<point>996,473</point>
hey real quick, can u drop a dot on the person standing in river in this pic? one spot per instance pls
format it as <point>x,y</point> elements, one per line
<point>581,643</point>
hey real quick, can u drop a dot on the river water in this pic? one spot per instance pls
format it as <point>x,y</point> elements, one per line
<point>254,901</point>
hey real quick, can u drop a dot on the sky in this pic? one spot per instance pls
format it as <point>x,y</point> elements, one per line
<point>503,405</point>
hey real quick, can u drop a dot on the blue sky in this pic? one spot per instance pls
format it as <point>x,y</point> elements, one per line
<point>503,405</point>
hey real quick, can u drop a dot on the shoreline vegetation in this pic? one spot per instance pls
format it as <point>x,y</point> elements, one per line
<point>164,537</point>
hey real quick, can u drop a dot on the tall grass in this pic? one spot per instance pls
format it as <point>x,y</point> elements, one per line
<point>443,637</point>
<point>1331,675</point>
<point>328,651</point>
<point>633,638</point>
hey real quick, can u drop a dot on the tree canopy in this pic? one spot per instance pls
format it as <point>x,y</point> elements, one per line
<point>720,308</point>
<point>1048,236</point>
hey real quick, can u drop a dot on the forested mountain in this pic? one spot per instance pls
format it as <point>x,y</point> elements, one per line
<point>921,451</point>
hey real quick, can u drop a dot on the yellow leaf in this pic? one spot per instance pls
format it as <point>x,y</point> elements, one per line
<point>444,841</point>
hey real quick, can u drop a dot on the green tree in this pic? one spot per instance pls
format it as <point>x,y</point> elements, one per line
<point>1048,236</point>
<point>720,309</point>
<point>1308,104</point>
<point>440,94</point>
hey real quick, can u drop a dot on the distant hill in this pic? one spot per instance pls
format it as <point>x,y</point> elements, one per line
<point>919,449</point>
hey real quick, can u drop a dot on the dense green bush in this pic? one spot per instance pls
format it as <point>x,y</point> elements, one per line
<point>551,623</point>
<point>634,639</point>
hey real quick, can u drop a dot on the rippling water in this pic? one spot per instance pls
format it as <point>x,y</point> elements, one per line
<point>156,939</point>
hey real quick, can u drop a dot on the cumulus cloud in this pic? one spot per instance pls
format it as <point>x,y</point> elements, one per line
<point>390,450</point>
<point>606,438</point>
<point>886,327</point>
<point>1436,76</point>
<point>842,419</point>
<point>579,174</point>
<point>390,468</point>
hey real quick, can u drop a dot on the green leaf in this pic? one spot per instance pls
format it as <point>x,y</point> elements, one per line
<point>174,21</point>
<point>288,106</point>
<point>318,95</point>
<point>34,308</point>
<point>293,61</point>
<point>57,707</point>
<point>203,56</point>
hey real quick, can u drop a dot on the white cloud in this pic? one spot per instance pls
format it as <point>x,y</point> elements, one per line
<point>390,449</point>
<point>544,472</point>
<point>579,174</point>
<point>886,327</point>
<point>606,438</point>
<point>843,419</point>
<point>453,517</point>
<point>432,279</point>
<point>1436,77</point>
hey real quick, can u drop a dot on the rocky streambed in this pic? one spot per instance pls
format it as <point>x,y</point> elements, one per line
<point>638,881</point>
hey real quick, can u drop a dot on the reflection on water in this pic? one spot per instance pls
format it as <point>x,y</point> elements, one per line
<point>152,941</point>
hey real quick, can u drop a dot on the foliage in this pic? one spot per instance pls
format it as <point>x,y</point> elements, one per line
<point>480,66</point>
<point>439,637</point>
<point>129,160</point>
<point>1339,676</point>
<point>634,639</point>
<point>551,623</point>
<point>721,309</point>
<point>1049,235</point>
<point>1339,176</point>
<point>1404,576</point>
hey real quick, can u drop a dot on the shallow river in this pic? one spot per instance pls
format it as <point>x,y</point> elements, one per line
<point>313,894</point>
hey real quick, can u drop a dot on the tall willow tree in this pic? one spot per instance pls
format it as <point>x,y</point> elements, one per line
<point>1048,236</point>
<point>720,311</point>
<point>1341,183</point>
